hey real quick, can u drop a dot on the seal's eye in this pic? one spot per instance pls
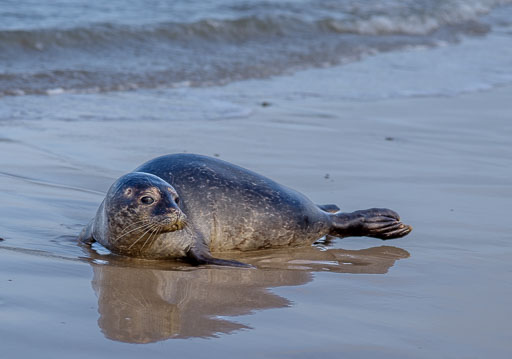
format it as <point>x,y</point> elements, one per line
<point>147,200</point>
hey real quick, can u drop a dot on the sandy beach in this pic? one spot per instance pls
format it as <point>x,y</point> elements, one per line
<point>443,163</point>
<point>397,104</point>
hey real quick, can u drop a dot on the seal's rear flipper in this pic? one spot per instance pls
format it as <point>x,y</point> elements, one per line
<point>329,208</point>
<point>197,257</point>
<point>380,223</point>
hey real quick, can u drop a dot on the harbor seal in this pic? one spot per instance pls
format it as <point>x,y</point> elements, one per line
<point>187,206</point>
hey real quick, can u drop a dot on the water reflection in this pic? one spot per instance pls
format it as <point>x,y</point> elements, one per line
<point>147,301</point>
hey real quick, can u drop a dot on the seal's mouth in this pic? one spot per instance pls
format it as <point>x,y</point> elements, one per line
<point>175,227</point>
<point>171,224</point>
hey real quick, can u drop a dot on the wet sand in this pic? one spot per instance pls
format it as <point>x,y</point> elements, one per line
<point>443,163</point>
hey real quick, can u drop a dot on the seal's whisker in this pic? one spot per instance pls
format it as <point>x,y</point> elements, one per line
<point>155,229</point>
<point>140,237</point>
<point>131,225</point>
<point>147,239</point>
<point>156,237</point>
<point>143,227</point>
<point>157,233</point>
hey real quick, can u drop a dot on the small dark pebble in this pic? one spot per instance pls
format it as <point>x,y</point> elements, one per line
<point>327,176</point>
<point>9,280</point>
<point>216,155</point>
<point>1,239</point>
<point>265,104</point>
<point>390,138</point>
<point>451,209</point>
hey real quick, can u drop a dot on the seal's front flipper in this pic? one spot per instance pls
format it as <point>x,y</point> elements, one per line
<point>380,223</point>
<point>329,208</point>
<point>198,256</point>
<point>219,262</point>
<point>86,234</point>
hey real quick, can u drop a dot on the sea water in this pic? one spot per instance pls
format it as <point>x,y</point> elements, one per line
<point>55,47</point>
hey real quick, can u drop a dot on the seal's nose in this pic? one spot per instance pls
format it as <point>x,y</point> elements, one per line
<point>166,206</point>
<point>166,220</point>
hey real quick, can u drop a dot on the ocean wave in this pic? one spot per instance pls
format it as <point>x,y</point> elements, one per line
<point>237,30</point>
<point>119,57</point>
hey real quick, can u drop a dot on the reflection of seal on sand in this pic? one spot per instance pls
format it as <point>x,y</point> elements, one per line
<point>148,301</point>
<point>187,206</point>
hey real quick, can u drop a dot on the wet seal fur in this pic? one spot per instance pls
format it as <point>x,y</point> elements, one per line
<point>186,206</point>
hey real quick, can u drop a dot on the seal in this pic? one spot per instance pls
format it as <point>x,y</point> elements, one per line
<point>187,206</point>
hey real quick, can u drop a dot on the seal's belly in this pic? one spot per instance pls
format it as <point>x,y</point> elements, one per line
<point>265,229</point>
<point>248,239</point>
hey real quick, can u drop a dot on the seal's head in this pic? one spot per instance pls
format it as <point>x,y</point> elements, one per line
<point>139,207</point>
